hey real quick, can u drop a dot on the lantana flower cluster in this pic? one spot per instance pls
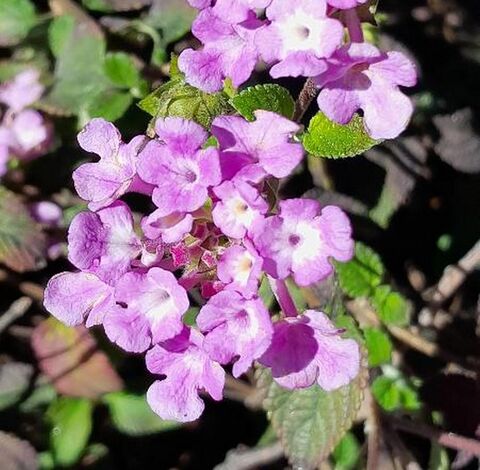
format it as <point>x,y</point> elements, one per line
<point>215,232</point>
<point>24,133</point>
<point>303,38</point>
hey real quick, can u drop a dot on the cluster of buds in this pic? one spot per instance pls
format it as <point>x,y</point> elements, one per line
<point>216,230</point>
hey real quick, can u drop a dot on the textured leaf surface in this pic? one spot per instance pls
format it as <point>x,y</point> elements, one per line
<point>392,308</point>
<point>310,422</point>
<point>325,138</point>
<point>70,359</point>
<point>378,345</point>
<point>131,415</point>
<point>270,97</point>
<point>16,454</point>
<point>22,243</point>
<point>71,421</point>
<point>176,98</point>
<point>17,17</point>
<point>14,381</point>
<point>362,274</point>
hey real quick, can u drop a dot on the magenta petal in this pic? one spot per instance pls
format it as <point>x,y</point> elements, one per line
<point>100,137</point>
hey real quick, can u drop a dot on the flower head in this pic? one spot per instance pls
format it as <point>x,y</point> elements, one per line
<point>359,76</point>
<point>300,240</point>
<point>188,369</point>
<point>308,349</point>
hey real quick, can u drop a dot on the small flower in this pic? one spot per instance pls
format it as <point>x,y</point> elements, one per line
<point>229,50</point>
<point>238,329</point>
<point>240,268</point>
<point>239,206</point>
<point>22,91</point>
<point>104,242</point>
<point>77,297</point>
<point>150,309</point>
<point>179,169</point>
<point>103,182</point>
<point>308,349</point>
<point>47,213</point>
<point>301,238</point>
<point>171,228</point>
<point>359,76</point>
<point>299,37</point>
<point>265,142</point>
<point>188,369</point>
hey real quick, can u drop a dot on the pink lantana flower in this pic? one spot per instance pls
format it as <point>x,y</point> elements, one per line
<point>359,76</point>
<point>188,370</point>
<point>309,349</point>
<point>300,240</point>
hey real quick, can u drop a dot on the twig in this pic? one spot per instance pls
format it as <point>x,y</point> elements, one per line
<point>14,312</point>
<point>245,459</point>
<point>363,312</point>
<point>447,439</point>
<point>305,98</point>
<point>453,276</point>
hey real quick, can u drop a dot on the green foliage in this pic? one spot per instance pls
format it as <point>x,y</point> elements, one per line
<point>393,392</point>
<point>177,98</point>
<point>269,96</point>
<point>17,17</point>
<point>392,308</point>
<point>131,415</point>
<point>347,452</point>
<point>22,243</point>
<point>378,345</point>
<point>121,70</point>
<point>362,274</point>
<point>71,425</point>
<point>310,422</point>
<point>59,31</point>
<point>110,105</point>
<point>328,139</point>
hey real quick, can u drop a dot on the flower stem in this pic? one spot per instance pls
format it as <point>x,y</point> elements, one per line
<point>284,299</point>
<point>305,98</point>
<point>354,25</point>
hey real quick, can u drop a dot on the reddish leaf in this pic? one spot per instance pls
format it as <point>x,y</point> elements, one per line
<point>22,244</point>
<point>69,357</point>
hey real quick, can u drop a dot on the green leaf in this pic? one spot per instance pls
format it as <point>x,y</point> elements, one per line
<point>176,98</point>
<point>17,17</point>
<point>325,138</point>
<point>270,97</point>
<point>394,393</point>
<point>71,425</point>
<point>80,79</point>
<point>378,345</point>
<point>131,415</point>
<point>111,105</point>
<point>22,243</point>
<point>362,274</point>
<point>59,30</point>
<point>346,453</point>
<point>108,6</point>
<point>121,70</point>
<point>392,308</point>
<point>310,422</point>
